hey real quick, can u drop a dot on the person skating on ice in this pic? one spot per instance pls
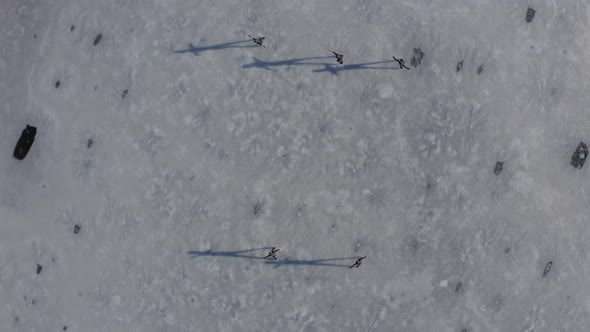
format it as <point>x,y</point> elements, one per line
<point>358,262</point>
<point>258,40</point>
<point>272,253</point>
<point>401,63</point>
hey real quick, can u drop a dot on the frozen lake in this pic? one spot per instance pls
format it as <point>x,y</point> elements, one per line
<point>172,153</point>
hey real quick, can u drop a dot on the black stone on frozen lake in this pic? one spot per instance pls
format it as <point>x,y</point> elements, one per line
<point>530,14</point>
<point>580,155</point>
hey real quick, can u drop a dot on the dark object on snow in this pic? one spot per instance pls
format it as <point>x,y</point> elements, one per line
<point>72,27</point>
<point>39,268</point>
<point>417,58</point>
<point>97,39</point>
<point>459,65</point>
<point>547,268</point>
<point>482,66</point>
<point>458,287</point>
<point>498,168</point>
<point>89,143</point>
<point>580,155</point>
<point>257,208</point>
<point>57,84</point>
<point>258,41</point>
<point>358,262</point>
<point>479,70</point>
<point>530,14</point>
<point>339,57</point>
<point>401,63</point>
<point>125,93</point>
<point>25,142</point>
<point>272,253</point>
<point>77,229</point>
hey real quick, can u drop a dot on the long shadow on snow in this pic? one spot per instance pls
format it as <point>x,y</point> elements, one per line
<point>277,263</point>
<point>195,50</point>
<point>289,62</point>
<point>236,254</point>
<point>335,69</point>
<point>313,262</point>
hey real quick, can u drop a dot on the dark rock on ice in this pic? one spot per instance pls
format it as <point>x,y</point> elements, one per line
<point>97,39</point>
<point>25,142</point>
<point>459,65</point>
<point>77,229</point>
<point>39,268</point>
<point>257,208</point>
<point>480,70</point>
<point>530,14</point>
<point>580,155</point>
<point>498,168</point>
<point>417,57</point>
<point>547,268</point>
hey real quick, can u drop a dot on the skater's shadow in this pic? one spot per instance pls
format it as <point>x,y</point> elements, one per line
<point>197,49</point>
<point>329,262</point>
<point>289,62</point>
<point>235,254</point>
<point>335,69</point>
<point>312,262</point>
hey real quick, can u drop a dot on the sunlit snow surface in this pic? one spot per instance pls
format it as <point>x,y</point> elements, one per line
<point>221,149</point>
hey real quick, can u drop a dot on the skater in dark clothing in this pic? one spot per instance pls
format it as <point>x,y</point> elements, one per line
<point>258,40</point>
<point>401,63</point>
<point>358,262</point>
<point>272,253</point>
<point>339,57</point>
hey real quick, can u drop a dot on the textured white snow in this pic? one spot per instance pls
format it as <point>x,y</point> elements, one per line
<point>225,149</point>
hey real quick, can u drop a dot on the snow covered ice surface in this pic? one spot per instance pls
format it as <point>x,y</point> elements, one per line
<point>184,152</point>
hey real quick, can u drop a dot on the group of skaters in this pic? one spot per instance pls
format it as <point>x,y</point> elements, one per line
<point>273,255</point>
<point>339,57</point>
